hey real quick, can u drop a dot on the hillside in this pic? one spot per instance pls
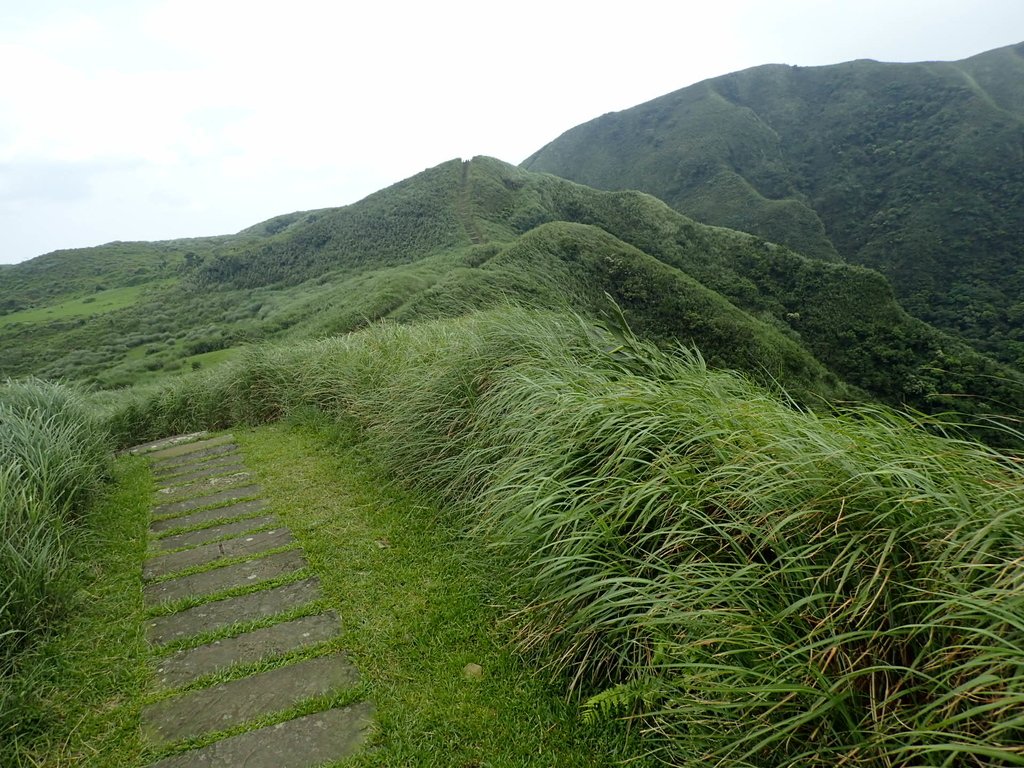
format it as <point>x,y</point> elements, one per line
<point>736,581</point>
<point>910,169</point>
<point>88,312</point>
<point>471,235</point>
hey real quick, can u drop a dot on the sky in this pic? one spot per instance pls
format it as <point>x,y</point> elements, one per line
<point>159,119</point>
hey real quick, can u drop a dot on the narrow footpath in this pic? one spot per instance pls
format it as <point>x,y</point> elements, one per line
<point>463,206</point>
<point>224,580</point>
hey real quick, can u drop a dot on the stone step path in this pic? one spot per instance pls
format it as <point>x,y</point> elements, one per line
<point>224,570</point>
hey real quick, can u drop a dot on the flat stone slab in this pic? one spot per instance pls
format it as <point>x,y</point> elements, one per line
<point>176,508</point>
<point>172,475</point>
<point>231,462</point>
<point>247,544</point>
<point>208,617</point>
<point>242,509</point>
<point>305,742</point>
<point>202,486</point>
<point>196,457</point>
<point>206,535</point>
<point>226,577</point>
<point>232,703</point>
<point>156,445</point>
<point>268,642</point>
<point>190,447</point>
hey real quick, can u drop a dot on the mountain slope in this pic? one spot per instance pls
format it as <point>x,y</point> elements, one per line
<point>463,236</point>
<point>911,169</point>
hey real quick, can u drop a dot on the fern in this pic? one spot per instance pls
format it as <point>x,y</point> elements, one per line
<point>627,698</point>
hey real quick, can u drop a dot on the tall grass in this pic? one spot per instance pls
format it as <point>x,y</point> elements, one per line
<point>751,583</point>
<point>52,455</point>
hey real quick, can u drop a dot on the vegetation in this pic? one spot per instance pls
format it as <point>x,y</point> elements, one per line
<point>473,235</point>
<point>712,555</point>
<point>415,597</point>
<point>52,454</point>
<point>411,219</point>
<point>86,306</point>
<point>78,694</point>
<point>83,273</point>
<point>910,169</point>
<point>845,316</point>
<point>417,605</point>
<point>747,582</point>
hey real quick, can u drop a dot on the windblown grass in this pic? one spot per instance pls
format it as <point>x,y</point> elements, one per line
<point>76,698</point>
<point>753,584</point>
<point>52,454</point>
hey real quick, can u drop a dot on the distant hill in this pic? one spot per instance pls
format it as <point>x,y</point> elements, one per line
<point>916,170</point>
<point>467,235</point>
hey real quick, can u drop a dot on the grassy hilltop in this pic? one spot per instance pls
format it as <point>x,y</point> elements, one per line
<point>471,235</point>
<point>705,573</point>
<point>657,560</point>
<point>910,169</point>
<point>745,583</point>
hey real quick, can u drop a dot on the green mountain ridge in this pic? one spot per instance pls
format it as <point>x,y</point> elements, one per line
<point>476,234</point>
<point>910,169</point>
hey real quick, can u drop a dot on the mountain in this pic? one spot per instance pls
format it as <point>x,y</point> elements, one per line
<point>915,170</point>
<point>467,235</point>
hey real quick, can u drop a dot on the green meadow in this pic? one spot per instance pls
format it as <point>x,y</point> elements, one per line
<point>86,306</point>
<point>699,570</point>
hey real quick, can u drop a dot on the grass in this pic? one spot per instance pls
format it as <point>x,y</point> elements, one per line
<point>84,306</point>
<point>416,606</point>
<point>80,693</point>
<point>52,455</point>
<point>763,587</point>
<point>746,583</point>
<point>207,359</point>
<point>823,331</point>
<point>416,601</point>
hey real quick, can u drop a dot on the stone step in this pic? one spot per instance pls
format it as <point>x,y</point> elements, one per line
<point>167,466</point>
<point>189,447</point>
<point>156,445</point>
<point>248,544</point>
<point>222,465</point>
<point>202,486</point>
<point>206,535</point>
<point>305,742</point>
<point>178,508</point>
<point>197,473</point>
<point>229,704</point>
<point>186,666</point>
<point>216,615</point>
<point>241,509</point>
<point>223,578</point>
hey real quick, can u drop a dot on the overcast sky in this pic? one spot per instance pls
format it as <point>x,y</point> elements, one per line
<point>150,119</point>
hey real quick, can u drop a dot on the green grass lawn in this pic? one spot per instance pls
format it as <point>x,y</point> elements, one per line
<point>84,306</point>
